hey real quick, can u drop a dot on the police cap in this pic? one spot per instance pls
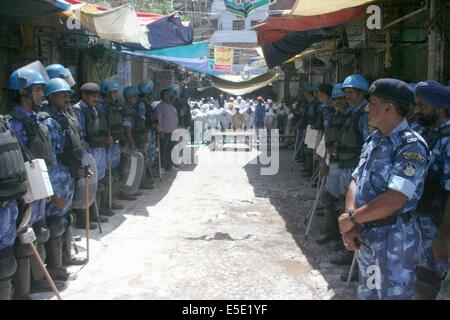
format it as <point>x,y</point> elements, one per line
<point>393,89</point>
<point>90,88</point>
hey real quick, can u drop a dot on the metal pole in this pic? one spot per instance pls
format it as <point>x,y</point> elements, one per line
<point>44,270</point>
<point>86,212</point>
<point>159,157</point>
<point>110,179</point>
<point>313,211</point>
<point>432,43</point>
<point>352,269</point>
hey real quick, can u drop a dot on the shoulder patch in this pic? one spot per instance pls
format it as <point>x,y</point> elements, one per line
<point>409,169</point>
<point>414,156</point>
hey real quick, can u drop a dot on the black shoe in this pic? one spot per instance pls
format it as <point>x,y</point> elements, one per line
<point>116,206</point>
<point>343,260</point>
<point>339,246</point>
<point>124,196</point>
<point>43,286</point>
<point>138,193</point>
<point>103,219</point>
<point>82,225</point>
<point>327,238</point>
<point>73,261</point>
<point>355,276</point>
<point>146,186</point>
<point>61,274</point>
<point>106,212</point>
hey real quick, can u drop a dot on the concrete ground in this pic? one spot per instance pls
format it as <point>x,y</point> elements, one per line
<point>216,230</point>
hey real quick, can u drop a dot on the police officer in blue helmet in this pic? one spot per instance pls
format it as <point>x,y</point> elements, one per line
<point>145,89</point>
<point>312,119</point>
<point>29,127</point>
<point>433,104</point>
<point>134,123</point>
<point>183,108</point>
<point>66,168</point>
<point>94,130</point>
<point>379,218</point>
<point>112,110</point>
<point>355,86</point>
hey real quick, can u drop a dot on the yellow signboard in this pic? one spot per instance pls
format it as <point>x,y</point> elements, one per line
<point>223,59</point>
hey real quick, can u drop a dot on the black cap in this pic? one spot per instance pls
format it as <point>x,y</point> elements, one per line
<point>90,87</point>
<point>326,88</point>
<point>393,89</point>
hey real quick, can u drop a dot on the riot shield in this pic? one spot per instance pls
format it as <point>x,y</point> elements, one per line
<point>78,198</point>
<point>133,171</point>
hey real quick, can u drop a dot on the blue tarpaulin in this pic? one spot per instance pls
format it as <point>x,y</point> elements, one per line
<point>279,51</point>
<point>167,32</point>
<point>195,50</point>
<point>198,64</point>
<point>20,11</point>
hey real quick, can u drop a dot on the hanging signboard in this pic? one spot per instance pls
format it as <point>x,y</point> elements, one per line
<point>223,59</point>
<point>244,7</point>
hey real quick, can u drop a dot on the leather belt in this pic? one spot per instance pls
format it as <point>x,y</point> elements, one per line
<point>407,216</point>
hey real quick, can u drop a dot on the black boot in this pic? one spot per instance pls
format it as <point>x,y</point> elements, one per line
<point>42,235</point>
<point>22,276</point>
<point>328,238</point>
<point>355,276</point>
<point>124,196</point>
<point>8,267</point>
<point>54,260</point>
<point>54,249</point>
<point>67,258</point>
<point>343,260</point>
<point>116,206</point>
<point>81,221</point>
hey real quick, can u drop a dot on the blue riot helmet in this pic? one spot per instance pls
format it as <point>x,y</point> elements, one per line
<point>109,85</point>
<point>56,85</point>
<point>59,71</point>
<point>184,93</point>
<point>355,81</point>
<point>130,91</point>
<point>337,91</point>
<point>145,88</point>
<point>174,91</point>
<point>24,79</point>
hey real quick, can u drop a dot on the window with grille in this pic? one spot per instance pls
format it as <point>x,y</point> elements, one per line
<point>238,24</point>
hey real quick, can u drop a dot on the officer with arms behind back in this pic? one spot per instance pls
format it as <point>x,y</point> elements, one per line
<point>383,195</point>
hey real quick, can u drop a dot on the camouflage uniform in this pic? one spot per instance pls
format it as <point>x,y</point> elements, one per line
<point>62,182</point>
<point>440,167</point>
<point>392,248</point>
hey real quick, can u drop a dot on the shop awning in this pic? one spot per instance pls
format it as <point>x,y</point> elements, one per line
<point>314,50</point>
<point>118,25</point>
<point>169,31</point>
<point>276,53</point>
<point>20,11</point>
<point>276,28</point>
<point>243,87</point>
<point>144,18</point>
<point>318,7</point>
